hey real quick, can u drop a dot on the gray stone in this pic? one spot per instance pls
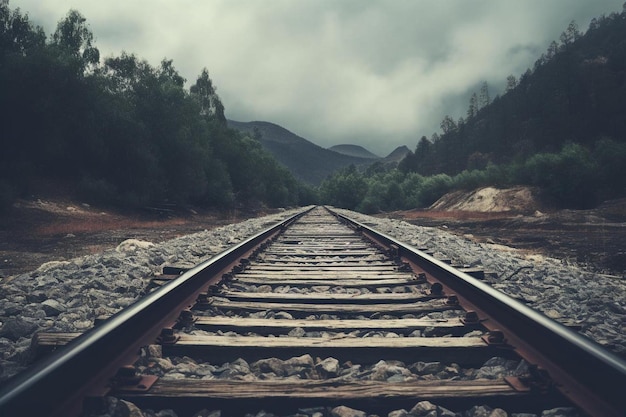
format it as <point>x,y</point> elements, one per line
<point>154,351</point>
<point>126,409</point>
<point>444,412</point>
<point>423,409</point>
<point>560,412</point>
<point>273,365</point>
<point>53,307</point>
<point>479,411</point>
<point>166,413</point>
<point>208,413</point>
<point>16,327</point>
<point>343,411</point>
<point>382,371</point>
<point>328,368</point>
<point>398,413</point>
<point>283,315</point>
<point>297,332</point>
<point>423,368</point>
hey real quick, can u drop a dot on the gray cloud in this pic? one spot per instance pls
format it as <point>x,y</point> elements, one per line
<point>377,73</point>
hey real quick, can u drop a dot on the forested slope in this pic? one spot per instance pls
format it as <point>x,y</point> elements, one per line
<point>561,127</point>
<point>307,161</point>
<point>120,130</point>
<point>575,93</point>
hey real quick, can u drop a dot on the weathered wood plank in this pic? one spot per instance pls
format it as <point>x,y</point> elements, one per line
<point>305,282</point>
<point>331,261</point>
<point>239,398</point>
<point>327,298</point>
<point>407,308</point>
<point>328,245</point>
<point>320,268</point>
<point>260,342</point>
<point>470,351</point>
<point>336,275</point>
<point>46,342</point>
<point>324,389</point>
<point>346,253</point>
<point>269,325</point>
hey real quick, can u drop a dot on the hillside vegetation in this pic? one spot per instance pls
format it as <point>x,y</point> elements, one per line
<point>120,131</point>
<point>561,127</point>
<point>307,161</point>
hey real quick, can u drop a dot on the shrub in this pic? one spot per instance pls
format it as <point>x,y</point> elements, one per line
<point>6,195</point>
<point>98,191</point>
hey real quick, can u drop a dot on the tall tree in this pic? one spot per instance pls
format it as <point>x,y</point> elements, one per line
<point>473,106</point>
<point>570,35</point>
<point>483,96</point>
<point>448,124</point>
<point>73,37</point>
<point>205,93</point>
<point>511,83</point>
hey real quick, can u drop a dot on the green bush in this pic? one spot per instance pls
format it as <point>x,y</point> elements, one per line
<point>434,188</point>
<point>569,177</point>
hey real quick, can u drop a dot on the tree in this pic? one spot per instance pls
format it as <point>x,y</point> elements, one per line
<point>473,106</point>
<point>570,35</point>
<point>511,83</point>
<point>553,49</point>
<point>205,94</point>
<point>448,124</point>
<point>17,34</point>
<point>73,37</point>
<point>483,97</point>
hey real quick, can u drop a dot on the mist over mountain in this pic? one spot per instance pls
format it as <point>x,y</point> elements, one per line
<point>307,161</point>
<point>354,150</point>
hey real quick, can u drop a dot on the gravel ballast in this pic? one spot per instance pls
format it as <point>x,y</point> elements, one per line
<point>67,296</point>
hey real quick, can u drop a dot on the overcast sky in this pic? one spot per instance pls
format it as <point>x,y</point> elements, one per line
<point>375,73</point>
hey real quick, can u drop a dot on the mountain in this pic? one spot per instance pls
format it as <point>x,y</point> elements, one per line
<point>397,155</point>
<point>307,161</point>
<point>354,150</point>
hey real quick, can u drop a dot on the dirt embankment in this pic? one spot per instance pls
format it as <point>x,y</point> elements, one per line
<point>490,200</point>
<point>517,218</point>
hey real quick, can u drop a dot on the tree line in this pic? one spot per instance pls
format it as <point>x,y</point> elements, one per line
<point>120,130</point>
<point>125,132</point>
<point>561,127</point>
<point>573,177</point>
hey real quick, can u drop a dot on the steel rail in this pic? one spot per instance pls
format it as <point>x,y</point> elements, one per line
<point>57,385</point>
<point>586,373</point>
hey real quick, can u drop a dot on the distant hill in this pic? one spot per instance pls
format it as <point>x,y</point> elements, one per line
<point>397,155</point>
<point>354,150</point>
<point>307,161</point>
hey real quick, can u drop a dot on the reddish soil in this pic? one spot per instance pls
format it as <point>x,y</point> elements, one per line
<point>38,231</point>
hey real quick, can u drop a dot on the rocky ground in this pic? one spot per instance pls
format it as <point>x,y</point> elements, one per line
<point>37,231</point>
<point>96,262</point>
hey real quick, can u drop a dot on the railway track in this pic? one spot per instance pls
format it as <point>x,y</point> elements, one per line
<point>316,313</point>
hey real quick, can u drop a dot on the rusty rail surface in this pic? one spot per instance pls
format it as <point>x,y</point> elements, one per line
<point>566,367</point>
